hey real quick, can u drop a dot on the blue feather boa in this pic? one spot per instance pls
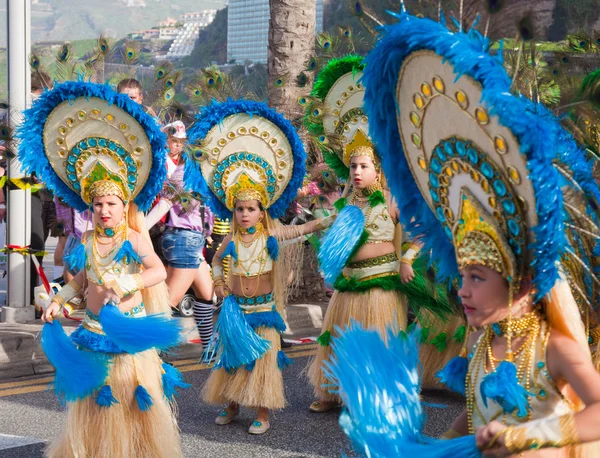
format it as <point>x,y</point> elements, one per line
<point>533,126</point>
<point>134,335</point>
<point>502,386</point>
<point>34,159</point>
<point>94,341</point>
<point>340,241</point>
<point>380,387</point>
<point>78,373</point>
<point>213,115</point>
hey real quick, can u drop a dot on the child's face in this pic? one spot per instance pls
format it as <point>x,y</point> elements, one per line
<point>108,211</point>
<point>248,213</point>
<point>175,146</point>
<point>363,172</point>
<point>134,94</point>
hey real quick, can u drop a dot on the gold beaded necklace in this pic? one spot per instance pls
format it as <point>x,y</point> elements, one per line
<point>528,325</point>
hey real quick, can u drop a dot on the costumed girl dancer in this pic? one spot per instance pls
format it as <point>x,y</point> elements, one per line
<point>97,149</point>
<point>378,269</point>
<point>250,162</point>
<point>486,171</point>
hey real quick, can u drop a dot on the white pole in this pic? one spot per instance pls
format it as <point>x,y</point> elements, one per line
<point>18,305</point>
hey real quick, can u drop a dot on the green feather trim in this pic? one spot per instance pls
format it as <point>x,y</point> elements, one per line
<point>336,164</point>
<point>324,339</point>
<point>440,341</point>
<point>333,71</point>
<point>376,198</point>
<point>459,334</point>
<point>315,243</point>
<point>422,292</point>
<point>340,203</point>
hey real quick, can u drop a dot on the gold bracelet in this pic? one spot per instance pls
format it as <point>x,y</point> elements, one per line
<point>60,300</point>
<point>139,282</point>
<point>450,434</point>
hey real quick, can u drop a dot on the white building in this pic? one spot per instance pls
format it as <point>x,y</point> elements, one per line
<point>184,42</point>
<point>248,30</point>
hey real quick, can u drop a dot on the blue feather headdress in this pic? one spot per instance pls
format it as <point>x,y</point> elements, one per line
<point>244,146</point>
<point>79,133</point>
<point>539,139</point>
<point>477,172</point>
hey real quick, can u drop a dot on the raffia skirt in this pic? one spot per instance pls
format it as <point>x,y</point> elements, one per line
<point>136,418</point>
<point>259,384</point>
<point>376,308</point>
<point>122,430</point>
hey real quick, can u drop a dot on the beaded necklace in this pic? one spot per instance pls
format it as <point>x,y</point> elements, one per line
<point>528,325</point>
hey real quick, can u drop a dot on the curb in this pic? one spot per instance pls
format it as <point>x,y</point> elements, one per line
<point>22,356</point>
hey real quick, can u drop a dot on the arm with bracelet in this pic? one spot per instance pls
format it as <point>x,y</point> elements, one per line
<point>568,365</point>
<point>220,285</point>
<point>68,292</point>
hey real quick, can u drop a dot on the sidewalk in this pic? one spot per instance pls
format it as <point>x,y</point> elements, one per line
<point>21,354</point>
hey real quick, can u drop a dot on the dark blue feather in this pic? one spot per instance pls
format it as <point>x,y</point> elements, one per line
<point>105,397</point>
<point>143,398</point>
<point>273,247</point>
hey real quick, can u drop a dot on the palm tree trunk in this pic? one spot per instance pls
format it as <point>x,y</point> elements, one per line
<point>291,43</point>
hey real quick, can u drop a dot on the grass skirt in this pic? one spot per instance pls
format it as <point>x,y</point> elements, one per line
<point>260,387</point>
<point>122,430</point>
<point>375,308</point>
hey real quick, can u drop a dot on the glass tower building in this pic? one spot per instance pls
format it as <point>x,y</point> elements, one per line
<point>248,30</point>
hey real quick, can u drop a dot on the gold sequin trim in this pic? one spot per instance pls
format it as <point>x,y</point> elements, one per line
<point>374,262</point>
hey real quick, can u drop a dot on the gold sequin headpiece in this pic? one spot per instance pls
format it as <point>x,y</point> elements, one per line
<point>479,241</point>
<point>101,182</point>
<point>360,145</point>
<point>245,189</point>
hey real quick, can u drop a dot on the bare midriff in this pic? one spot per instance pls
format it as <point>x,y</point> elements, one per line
<point>251,286</point>
<point>373,250</point>
<point>97,293</point>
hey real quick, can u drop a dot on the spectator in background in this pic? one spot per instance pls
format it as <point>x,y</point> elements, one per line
<point>133,89</point>
<point>188,224</point>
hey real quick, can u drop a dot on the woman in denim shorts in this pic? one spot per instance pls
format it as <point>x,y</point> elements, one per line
<point>188,224</point>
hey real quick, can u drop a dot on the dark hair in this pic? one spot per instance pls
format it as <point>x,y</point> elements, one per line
<point>40,80</point>
<point>129,83</point>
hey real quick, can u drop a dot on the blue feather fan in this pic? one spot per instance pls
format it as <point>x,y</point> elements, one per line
<point>340,241</point>
<point>380,387</point>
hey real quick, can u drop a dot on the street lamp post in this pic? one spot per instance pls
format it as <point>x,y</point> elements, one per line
<point>18,305</point>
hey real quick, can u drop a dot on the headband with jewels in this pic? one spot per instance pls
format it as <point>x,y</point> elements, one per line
<point>244,150</point>
<point>85,140</point>
<point>490,166</point>
<point>334,114</point>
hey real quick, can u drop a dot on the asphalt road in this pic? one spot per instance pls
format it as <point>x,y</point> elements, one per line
<point>31,415</point>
